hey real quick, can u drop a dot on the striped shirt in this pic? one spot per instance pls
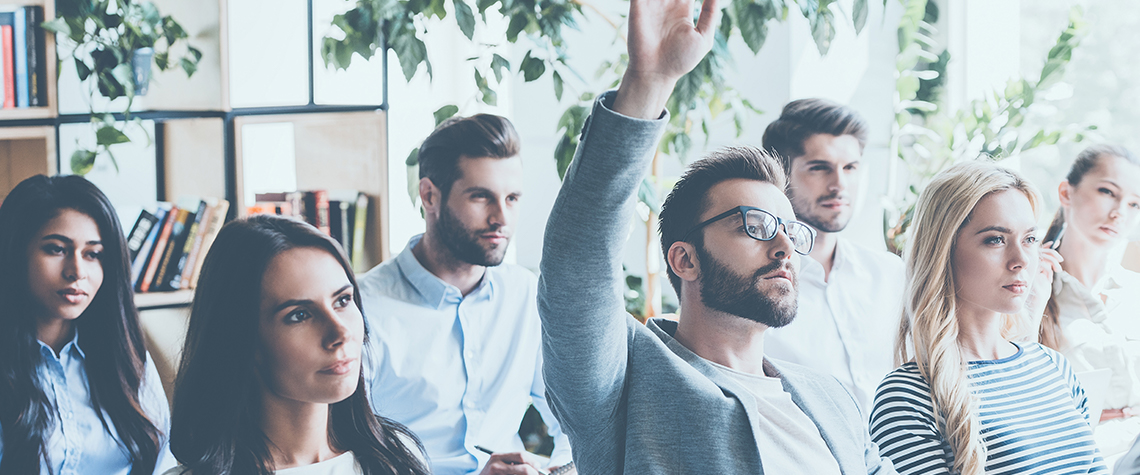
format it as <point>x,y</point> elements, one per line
<point>1033,412</point>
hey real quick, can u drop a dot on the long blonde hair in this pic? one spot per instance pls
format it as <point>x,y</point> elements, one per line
<point>929,320</point>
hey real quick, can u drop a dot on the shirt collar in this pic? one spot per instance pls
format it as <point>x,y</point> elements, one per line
<point>71,346</point>
<point>434,290</point>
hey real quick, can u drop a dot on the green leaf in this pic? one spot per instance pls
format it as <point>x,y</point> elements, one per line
<point>517,25</point>
<point>444,113</point>
<point>483,5</point>
<point>435,8</point>
<point>82,68</point>
<point>58,25</point>
<point>413,158</point>
<point>162,60</point>
<point>498,64</point>
<point>108,135</point>
<point>409,49</point>
<point>823,31</point>
<point>532,68</point>
<point>82,161</point>
<point>564,154</point>
<point>490,97</point>
<point>465,17</point>
<point>859,15</point>
<point>557,86</point>
<point>189,66</point>
<point>752,20</point>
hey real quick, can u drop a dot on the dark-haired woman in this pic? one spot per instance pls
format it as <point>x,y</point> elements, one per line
<point>1093,316</point>
<point>270,380</point>
<point>78,392</point>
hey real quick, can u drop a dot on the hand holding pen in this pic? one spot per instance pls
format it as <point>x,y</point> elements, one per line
<point>510,463</point>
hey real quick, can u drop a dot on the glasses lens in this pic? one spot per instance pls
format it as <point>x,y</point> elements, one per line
<point>759,224</point>
<point>801,236</point>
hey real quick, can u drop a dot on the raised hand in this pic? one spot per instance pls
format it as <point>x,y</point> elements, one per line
<point>663,46</point>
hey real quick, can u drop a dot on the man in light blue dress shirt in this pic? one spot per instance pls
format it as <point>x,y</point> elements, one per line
<point>456,336</point>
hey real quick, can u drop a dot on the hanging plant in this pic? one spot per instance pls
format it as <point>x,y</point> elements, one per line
<point>116,43</point>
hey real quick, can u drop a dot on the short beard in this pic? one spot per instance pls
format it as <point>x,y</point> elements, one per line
<point>725,291</point>
<point>463,243</point>
<point>803,206</point>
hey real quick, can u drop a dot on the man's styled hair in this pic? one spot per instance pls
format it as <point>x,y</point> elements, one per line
<point>803,118</point>
<point>478,136</point>
<point>689,198</point>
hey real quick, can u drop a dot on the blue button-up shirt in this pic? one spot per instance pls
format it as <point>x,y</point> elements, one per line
<point>458,370</point>
<point>77,443</point>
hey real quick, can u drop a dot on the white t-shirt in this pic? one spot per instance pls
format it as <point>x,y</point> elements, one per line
<point>789,441</point>
<point>846,326</point>
<point>343,464</point>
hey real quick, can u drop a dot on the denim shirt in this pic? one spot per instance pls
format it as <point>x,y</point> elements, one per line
<point>77,443</point>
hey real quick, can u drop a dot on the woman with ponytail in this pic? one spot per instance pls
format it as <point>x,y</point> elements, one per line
<point>78,392</point>
<point>1093,314</point>
<point>270,380</point>
<point>967,400</point>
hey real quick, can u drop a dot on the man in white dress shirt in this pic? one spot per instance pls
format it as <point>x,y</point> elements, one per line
<point>850,298</point>
<point>456,336</point>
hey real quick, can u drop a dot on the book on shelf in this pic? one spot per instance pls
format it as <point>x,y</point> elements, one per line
<point>173,241</point>
<point>342,214</point>
<point>142,258</point>
<point>6,21</point>
<point>24,56</point>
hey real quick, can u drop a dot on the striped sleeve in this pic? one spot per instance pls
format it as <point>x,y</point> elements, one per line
<point>903,426</point>
<point>1079,397</point>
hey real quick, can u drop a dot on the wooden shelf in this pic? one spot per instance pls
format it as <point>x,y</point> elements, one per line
<point>25,113</point>
<point>150,300</point>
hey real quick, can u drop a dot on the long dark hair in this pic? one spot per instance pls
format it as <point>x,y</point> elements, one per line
<point>1050,333</point>
<point>108,329</point>
<point>216,425</point>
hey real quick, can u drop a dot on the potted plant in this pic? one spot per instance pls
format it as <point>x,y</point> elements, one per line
<point>115,43</point>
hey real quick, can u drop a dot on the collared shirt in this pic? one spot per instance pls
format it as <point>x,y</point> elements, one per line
<point>458,370</point>
<point>77,443</point>
<point>846,325</point>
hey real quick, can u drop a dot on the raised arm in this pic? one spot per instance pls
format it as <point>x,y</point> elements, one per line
<point>584,325</point>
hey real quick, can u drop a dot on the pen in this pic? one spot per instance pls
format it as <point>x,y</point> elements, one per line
<point>492,452</point>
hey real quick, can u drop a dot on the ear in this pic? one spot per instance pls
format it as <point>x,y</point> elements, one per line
<point>1065,193</point>
<point>682,259</point>
<point>430,195</point>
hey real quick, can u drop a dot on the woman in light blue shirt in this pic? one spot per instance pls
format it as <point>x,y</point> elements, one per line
<point>78,392</point>
<point>270,379</point>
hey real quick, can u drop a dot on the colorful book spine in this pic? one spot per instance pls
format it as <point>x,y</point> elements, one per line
<point>178,262</point>
<point>358,232</point>
<point>6,21</point>
<point>177,231</point>
<point>217,219</point>
<point>20,50</point>
<point>158,251</point>
<point>37,57</point>
<point>199,236</point>
<point>139,265</point>
<point>317,210</point>
<point>139,233</point>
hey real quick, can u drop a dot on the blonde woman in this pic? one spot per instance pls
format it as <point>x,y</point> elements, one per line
<point>969,401</point>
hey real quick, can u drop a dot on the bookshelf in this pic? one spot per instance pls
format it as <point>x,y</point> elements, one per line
<point>198,122</point>
<point>50,110</point>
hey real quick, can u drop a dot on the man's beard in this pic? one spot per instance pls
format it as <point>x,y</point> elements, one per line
<point>463,243</point>
<point>803,207</point>
<point>725,291</point>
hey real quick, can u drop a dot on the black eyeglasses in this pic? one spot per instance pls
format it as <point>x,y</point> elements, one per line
<point>762,225</point>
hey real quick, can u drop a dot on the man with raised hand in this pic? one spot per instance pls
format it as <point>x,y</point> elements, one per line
<point>697,396</point>
<point>456,332</point>
<point>850,297</point>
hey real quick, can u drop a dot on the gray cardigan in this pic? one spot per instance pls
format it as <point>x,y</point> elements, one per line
<point>631,398</point>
